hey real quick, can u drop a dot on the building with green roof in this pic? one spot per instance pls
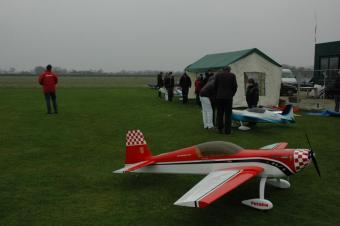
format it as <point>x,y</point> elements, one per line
<point>327,64</point>
<point>245,64</point>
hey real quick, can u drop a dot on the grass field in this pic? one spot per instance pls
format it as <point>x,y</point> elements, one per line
<point>57,169</point>
<point>72,81</point>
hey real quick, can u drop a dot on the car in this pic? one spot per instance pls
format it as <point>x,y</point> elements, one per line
<point>288,89</point>
<point>287,77</point>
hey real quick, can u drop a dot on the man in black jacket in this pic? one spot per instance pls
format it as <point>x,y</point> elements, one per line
<point>252,94</point>
<point>225,87</point>
<point>185,84</point>
<point>169,84</point>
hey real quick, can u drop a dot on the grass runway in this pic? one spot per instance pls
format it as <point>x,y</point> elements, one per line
<point>57,169</point>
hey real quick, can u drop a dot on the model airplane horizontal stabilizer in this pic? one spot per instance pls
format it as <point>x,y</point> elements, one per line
<point>132,167</point>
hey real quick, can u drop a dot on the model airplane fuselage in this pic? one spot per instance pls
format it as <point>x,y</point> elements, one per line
<point>227,165</point>
<point>260,115</point>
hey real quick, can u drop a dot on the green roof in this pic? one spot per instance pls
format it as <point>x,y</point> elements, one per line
<point>220,60</point>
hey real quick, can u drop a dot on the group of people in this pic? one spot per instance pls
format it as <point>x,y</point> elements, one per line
<point>214,93</point>
<point>168,82</point>
<point>217,92</point>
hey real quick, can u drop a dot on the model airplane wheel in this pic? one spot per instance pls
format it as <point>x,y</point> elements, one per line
<point>260,204</point>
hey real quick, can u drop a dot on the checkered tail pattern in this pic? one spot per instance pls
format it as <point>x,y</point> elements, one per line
<point>301,159</point>
<point>134,138</point>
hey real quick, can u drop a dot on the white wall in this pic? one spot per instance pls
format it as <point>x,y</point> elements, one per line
<point>192,76</point>
<point>256,63</point>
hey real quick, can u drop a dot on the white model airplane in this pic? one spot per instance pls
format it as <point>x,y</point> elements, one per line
<point>261,115</point>
<point>227,166</point>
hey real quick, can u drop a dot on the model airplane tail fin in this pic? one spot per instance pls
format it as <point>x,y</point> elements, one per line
<point>137,149</point>
<point>288,112</point>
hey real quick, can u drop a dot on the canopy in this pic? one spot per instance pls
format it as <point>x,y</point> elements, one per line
<point>220,60</point>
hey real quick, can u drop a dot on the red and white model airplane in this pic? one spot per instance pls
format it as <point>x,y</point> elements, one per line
<point>227,166</point>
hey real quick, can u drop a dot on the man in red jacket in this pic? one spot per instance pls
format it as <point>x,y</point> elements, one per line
<point>49,80</point>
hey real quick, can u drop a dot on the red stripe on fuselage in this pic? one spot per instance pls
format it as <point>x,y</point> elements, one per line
<point>284,156</point>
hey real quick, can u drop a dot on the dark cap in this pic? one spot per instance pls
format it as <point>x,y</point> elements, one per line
<point>227,68</point>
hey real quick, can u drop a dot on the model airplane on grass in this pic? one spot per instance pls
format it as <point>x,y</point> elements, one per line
<point>227,166</point>
<point>260,115</point>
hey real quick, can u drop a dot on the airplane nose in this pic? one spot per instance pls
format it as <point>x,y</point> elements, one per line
<point>302,157</point>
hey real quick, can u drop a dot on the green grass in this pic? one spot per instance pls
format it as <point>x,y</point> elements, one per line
<point>57,169</point>
<point>72,81</point>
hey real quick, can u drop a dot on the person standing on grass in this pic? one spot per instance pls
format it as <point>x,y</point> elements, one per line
<point>169,84</point>
<point>225,88</point>
<point>337,92</point>
<point>160,83</point>
<point>198,86</point>
<point>185,84</point>
<point>48,80</point>
<point>252,93</point>
<point>207,93</point>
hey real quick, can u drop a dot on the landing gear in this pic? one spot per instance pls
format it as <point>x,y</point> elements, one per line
<point>243,127</point>
<point>260,203</point>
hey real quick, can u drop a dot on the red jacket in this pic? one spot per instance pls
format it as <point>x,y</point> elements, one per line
<point>48,80</point>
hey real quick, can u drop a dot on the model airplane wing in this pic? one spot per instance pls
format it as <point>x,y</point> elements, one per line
<point>255,117</point>
<point>275,146</point>
<point>217,184</point>
<point>133,167</point>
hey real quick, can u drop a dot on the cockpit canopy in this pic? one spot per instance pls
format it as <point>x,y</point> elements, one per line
<point>217,148</point>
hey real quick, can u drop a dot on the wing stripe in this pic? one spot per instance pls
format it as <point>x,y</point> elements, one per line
<point>219,185</point>
<point>216,184</point>
<point>226,187</point>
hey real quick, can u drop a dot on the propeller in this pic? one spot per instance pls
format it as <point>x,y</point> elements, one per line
<point>312,153</point>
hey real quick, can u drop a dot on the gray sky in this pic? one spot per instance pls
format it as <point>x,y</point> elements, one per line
<point>159,34</point>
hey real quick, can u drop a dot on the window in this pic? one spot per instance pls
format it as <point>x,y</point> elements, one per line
<point>259,78</point>
<point>217,148</point>
<point>324,63</point>
<point>330,65</point>
<point>333,62</point>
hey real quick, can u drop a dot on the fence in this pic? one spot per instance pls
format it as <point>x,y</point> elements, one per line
<point>314,89</point>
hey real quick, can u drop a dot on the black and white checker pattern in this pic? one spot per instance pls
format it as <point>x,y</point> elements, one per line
<point>135,137</point>
<point>300,159</point>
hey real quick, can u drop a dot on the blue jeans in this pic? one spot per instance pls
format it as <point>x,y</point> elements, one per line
<point>48,97</point>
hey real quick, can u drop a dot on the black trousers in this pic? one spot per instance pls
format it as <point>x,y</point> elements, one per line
<point>213,106</point>
<point>170,93</point>
<point>224,111</point>
<point>185,92</point>
<point>337,102</point>
<point>48,97</point>
<point>198,102</point>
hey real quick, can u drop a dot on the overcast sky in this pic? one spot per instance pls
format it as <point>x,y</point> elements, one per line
<point>159,34</point>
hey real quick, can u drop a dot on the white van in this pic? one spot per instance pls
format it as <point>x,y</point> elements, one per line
<point>288,77</point>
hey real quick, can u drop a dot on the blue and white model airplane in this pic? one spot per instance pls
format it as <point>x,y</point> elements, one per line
<point>260,115</point>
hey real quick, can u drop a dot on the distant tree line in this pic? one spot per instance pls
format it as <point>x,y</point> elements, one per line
<point>91,72</point>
